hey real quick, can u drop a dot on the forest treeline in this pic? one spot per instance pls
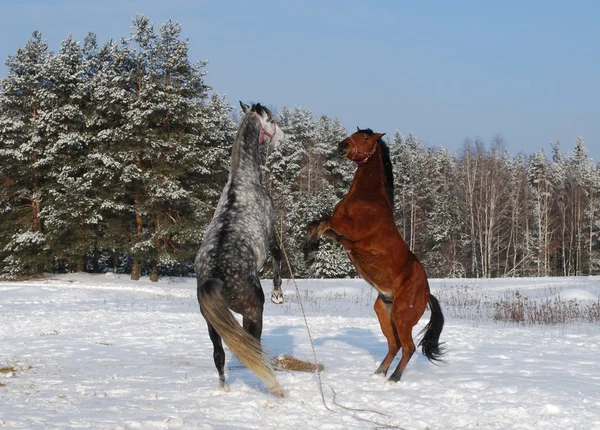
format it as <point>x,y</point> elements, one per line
<point>113,155</point>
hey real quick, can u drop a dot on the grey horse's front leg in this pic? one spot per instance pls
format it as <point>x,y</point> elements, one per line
<point>276,294</point>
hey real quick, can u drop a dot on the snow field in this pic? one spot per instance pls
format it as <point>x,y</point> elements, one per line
<point>103,352</point>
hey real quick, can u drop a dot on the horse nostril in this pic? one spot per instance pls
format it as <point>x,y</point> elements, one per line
<point>342,147</point>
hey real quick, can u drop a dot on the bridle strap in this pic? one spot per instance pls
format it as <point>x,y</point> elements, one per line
<point>264,132</point>
<point>356,151</point>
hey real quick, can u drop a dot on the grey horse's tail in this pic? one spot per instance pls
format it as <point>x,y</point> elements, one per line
<point>246,347</point>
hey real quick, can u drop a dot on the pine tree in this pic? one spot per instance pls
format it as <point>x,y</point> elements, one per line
<point>142,118</point>
<point>593,219</point>
<point>337,173</point>
<point>580,185</point>
<point>69,214</point>
<point>163,132</point>
<point>540,182</point>
<point>305,179</point>
<point>517,260</point>
<point>196,173</point>
<point>341,170</point>
<point>412,187</point>
<point>22,238</point>
<point>443,256</point>
<point>109,89</point>
<point>208,159</point>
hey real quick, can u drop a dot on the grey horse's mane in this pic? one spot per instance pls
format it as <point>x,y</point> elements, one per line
<point>235,154</point>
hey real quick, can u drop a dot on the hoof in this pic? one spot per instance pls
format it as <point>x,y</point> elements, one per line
<point>277,297</point>
<point>309,258</point>
<point>224,387</point>
<point>394,378</point>
<point>379,374</point>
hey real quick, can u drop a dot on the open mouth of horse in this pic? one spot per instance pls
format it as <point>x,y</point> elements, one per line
<point>342,148</point>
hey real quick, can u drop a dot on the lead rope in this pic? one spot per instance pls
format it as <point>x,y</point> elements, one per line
<point>287,260</point>
<point>279,235</point>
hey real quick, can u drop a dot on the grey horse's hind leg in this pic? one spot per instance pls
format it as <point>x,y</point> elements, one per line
<point>276,294</point>
<point>218,356</point>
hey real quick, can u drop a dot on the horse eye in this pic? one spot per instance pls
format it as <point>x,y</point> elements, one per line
<point>366,137</point>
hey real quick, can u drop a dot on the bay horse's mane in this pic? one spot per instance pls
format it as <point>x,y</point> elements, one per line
<point>387,165</point>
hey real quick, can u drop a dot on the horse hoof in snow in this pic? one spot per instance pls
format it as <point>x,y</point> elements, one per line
<point>277,297</point>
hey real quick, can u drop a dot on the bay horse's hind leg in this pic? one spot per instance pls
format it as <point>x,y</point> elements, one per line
<point>408,349</point>
<point>406,315</point>
<point>218,356</point>
<point>276,294</point>
<point>383,310</point>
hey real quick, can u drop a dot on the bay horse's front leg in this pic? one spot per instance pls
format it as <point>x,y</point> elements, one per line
<point>311,243</point>
<point>277,293</point>
<point>316,229</point>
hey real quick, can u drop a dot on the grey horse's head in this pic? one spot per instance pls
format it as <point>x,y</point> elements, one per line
<point>269,131</point>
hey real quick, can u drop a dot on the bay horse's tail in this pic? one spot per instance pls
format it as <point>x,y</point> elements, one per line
<point>245,346</point>
<point>432,349</point>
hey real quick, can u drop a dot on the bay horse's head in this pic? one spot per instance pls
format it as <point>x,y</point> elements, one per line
<point>269,131</point>
<point>360,146</point>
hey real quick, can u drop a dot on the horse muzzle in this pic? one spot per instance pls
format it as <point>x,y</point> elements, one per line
<point>342,147</point>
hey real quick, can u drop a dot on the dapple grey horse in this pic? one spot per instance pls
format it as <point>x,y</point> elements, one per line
<point>236,245</point>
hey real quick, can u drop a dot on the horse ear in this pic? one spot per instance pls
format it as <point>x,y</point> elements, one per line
<point>268,112</point>
<point>245,107</point>
<point>378,135</point>
<point>357,129</point>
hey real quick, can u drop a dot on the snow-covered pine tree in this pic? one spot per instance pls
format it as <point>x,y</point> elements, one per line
<point>109,88</point>
<point>22,238</point>
<point>207,160</point>
<point>539,179</point>
<point>443,256</point>
<point>412,189</point>
<point>69,214</point>
<point>164,126</point>
<point>331,132</point>
<point>337,172</point>
<point>517,257</point>
<point>560,210</point>
<point>284,164</point>
<point>570,203</point>
<point>306,179</point>
<point>579,190</point>
<point>594,221</point>
<point>143,116</point>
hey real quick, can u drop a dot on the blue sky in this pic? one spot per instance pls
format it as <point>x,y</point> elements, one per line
<point>527,70</point>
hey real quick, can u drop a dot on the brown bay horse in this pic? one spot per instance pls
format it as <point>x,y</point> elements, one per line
<point>363,222</point>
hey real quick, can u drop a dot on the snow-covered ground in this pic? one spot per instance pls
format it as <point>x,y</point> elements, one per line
<point>101,351</point>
